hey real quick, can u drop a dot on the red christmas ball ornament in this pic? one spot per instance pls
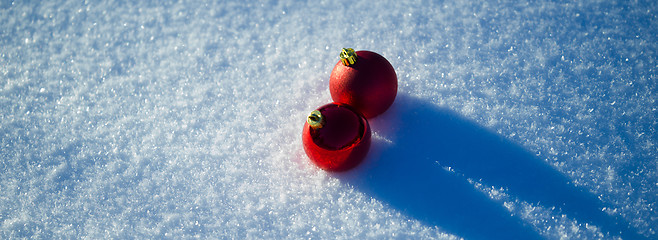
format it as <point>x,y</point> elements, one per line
<point>336,137</point>
<point>364,80</point>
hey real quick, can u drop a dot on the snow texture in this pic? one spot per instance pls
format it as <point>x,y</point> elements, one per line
<point>150,120</point>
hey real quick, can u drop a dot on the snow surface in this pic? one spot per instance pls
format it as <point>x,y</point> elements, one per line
<point>514,119</point>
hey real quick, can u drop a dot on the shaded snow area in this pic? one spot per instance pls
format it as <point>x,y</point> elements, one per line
<point>149,120</point>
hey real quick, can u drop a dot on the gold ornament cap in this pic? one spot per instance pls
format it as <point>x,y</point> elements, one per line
<point>348,56</point>
<point>315,119</point>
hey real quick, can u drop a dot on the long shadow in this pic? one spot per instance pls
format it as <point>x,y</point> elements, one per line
<point>409,173</point>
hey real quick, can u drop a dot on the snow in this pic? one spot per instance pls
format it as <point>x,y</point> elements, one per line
<point>514,119</point>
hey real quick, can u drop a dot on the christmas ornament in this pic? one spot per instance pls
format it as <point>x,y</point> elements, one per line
<point>364,80</point>
<point>336,137</point>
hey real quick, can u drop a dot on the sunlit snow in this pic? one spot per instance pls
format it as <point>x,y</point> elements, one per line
<point>150,120</point>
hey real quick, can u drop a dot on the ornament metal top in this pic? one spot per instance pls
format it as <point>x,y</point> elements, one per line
<point>348,56</point>
<point>315,119</point>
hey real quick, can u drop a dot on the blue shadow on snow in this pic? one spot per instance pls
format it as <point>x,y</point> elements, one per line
<point>409,173</point>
